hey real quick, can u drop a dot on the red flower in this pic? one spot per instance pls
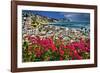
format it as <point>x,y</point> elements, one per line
<point>61,58</point>
<point>74,48</point>
<point>38,52</point>
<point>61,52</point>
<point>77,55</point>
<point>53,48</point>
<point>71,54</point>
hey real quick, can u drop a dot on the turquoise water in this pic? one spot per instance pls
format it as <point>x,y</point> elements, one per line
<point>72,24</point>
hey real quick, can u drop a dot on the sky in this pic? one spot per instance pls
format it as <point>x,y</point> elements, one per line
<point>58,15</point>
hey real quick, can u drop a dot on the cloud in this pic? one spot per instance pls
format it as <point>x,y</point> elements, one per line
<point>77,16</point>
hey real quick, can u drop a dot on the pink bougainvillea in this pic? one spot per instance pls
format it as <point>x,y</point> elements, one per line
<point>48,49</point>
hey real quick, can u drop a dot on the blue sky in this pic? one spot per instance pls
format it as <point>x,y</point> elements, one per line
<point>58,15</point>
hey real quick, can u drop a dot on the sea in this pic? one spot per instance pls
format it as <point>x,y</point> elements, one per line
<point>79,25</point>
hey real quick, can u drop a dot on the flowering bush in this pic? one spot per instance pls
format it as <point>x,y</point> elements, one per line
<point>36,48</point>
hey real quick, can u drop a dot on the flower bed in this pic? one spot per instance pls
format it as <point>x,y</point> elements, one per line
<point>36,48</point>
